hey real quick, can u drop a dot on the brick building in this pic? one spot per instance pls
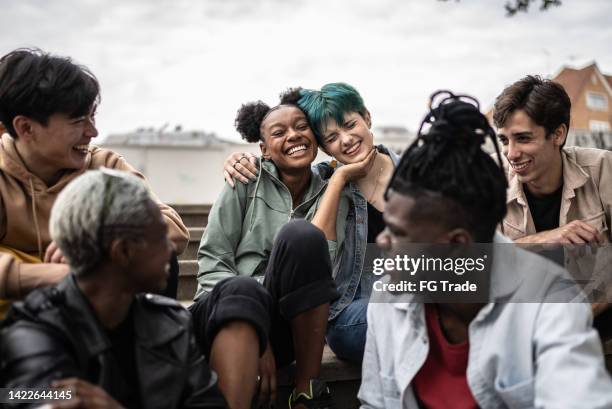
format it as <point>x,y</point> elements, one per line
<point>591,94</point>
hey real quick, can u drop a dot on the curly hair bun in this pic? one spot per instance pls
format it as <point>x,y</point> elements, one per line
<point>291,96</point>
<point>248,120</point>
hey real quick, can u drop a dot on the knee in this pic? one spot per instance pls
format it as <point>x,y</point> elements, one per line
<point>347,343</point>
<point>304,234</point>
<point>242,286</point>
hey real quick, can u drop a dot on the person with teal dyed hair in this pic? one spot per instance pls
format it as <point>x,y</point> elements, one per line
<point>342,126</point>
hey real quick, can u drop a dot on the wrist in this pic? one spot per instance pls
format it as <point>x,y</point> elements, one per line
<point>339,177</point>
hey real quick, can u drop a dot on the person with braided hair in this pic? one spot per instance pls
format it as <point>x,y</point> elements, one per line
<point>496,354</point>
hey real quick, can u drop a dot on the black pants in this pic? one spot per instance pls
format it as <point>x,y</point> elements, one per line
<point>297,279</point>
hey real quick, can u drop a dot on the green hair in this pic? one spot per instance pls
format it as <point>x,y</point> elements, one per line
<point>332,101</point>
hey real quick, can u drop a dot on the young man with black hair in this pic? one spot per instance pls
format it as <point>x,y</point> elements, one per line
<point>498,353</point>
<point>48,107</point>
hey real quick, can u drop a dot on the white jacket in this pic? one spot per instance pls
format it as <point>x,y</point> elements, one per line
<point>522,355</point>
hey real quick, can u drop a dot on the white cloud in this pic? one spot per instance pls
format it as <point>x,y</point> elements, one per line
<point>194,63</point>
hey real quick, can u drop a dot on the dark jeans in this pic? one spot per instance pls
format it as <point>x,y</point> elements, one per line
<point>297,279</point>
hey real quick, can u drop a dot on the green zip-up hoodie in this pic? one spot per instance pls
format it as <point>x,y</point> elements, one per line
<point>244,222</point>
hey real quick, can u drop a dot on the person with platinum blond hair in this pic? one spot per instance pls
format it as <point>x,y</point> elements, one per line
<point>99,333</point>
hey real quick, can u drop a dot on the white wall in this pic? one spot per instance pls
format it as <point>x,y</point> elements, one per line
<point>183,175</point>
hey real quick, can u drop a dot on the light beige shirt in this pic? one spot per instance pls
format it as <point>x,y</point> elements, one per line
<point>586,196</point>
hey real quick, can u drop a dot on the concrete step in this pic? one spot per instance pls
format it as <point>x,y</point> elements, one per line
<point>187,286</point>
<point>342,378</point>
<point>191,252</point>
<point>193,215</point>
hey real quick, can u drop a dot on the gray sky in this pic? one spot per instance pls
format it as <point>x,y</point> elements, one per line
<point>194,62</point>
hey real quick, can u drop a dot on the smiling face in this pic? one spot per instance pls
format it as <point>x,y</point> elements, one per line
<point>63,143</point>
<point>287,139</point>
<point>531,153</point>
<point>351,141</point>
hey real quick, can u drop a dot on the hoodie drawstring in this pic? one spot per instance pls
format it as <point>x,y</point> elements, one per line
<point>252,221</point>
<point>36,226</point>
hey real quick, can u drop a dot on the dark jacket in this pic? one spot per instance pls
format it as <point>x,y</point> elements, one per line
<point>54,334</point>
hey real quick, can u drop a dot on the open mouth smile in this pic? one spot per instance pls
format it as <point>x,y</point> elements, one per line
<point>520,167</point>
<point>81,148</point>
<point>352,150</point>
<point>296,149</point>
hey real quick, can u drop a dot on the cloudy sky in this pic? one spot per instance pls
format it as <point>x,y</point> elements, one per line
<point>194,62</point>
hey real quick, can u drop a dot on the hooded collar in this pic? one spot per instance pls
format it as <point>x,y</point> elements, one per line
<point>316,182</point>
<point>11,163</point>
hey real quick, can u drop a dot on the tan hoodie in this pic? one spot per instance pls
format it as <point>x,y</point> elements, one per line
<point>25,207</point>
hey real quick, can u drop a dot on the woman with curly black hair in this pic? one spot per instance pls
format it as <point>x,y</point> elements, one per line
<point>342,125</point>
<point>251,232</point>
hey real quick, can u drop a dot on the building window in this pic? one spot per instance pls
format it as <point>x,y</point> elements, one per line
<point>599,126</point>
<point>597,101</point>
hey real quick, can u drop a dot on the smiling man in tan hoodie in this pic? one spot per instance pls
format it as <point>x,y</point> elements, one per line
<point>47,106</point>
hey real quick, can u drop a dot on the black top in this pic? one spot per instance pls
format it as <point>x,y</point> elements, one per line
<point>375,223</point>
<point>122,349</point>
<point>545,209</point>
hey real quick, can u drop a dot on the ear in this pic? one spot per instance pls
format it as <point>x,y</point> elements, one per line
<point>368,118</point>
<point>25,127</point>
<point>459,236</point>
<point>264,150</point>
<point>559,135</point>
<point>120,253</point>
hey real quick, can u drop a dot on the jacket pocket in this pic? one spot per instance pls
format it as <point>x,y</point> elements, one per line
<point>391,393</point>
<point>519,395</point>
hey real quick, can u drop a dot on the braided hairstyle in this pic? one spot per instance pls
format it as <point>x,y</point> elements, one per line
<point>447,162</point>
<point>251,115</point>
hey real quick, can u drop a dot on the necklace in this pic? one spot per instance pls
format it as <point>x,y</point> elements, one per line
<point>375,186</point>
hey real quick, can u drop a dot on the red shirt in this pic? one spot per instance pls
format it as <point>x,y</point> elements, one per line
<point>441,382</point>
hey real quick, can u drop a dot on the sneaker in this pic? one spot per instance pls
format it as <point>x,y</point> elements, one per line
<point>319,397</point>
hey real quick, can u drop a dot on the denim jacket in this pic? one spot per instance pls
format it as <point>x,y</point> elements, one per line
<point>348,273</point>
<point>522,355</point>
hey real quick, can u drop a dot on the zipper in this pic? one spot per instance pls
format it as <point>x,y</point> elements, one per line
<point>292,211</point>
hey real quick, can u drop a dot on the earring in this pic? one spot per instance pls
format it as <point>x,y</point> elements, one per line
<point>333,163</point>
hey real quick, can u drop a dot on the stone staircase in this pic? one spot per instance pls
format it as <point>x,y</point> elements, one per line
<point>343,378</point>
